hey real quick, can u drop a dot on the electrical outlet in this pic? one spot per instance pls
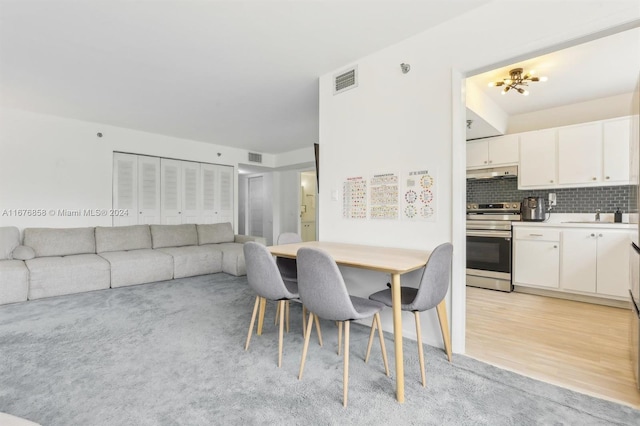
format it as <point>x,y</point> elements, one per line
<point>552,199</point>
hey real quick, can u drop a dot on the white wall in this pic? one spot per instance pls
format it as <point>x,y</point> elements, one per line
<point>582,112</point>
<point>51,163</point>
<point>395,121</point>
<point>486,108</point>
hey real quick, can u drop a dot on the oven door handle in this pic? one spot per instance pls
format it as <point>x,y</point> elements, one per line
<point>496,234</point>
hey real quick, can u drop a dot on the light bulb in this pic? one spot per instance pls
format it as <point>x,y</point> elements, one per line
<point>525,92</point>
<point>507,81</point>
<point>492,84</point>
<point>532,72</point>
<point>543,79</point>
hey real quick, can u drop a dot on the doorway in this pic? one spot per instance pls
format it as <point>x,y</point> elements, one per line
<point>308,206</point>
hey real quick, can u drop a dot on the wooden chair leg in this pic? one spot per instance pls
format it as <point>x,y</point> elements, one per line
<point>420,351</point>
<point>253,320</point>
<point>318,329</point>
<point>373,330</point>
<point>339,323</point>
<point>304,320</point>
<point>275,320</point>
<point>286,312</point>
<point>444,327</point>
<point>376,318</point>
<point>281,304</point>
<point>345,390</point>
<point>306,344</point>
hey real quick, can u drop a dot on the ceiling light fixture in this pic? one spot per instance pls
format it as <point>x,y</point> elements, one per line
<point>516,79</point>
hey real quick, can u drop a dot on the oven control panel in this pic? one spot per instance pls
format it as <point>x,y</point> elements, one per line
<point>506,207</point>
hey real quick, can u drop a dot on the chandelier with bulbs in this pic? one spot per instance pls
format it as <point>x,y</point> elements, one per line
<point>517,81</point>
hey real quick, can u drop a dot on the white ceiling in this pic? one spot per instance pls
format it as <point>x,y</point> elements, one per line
<point>233,73</point>
<point>600,68</point>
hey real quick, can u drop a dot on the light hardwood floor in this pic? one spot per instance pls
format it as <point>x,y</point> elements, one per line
<point>576,345</point>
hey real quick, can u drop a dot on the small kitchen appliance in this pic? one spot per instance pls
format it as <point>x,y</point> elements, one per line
<point>533,209</point>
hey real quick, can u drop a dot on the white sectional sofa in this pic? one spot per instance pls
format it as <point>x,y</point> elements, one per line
<point>56,261</point>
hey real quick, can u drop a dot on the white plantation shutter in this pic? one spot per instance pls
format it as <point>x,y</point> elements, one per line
<point>190,192</point>
<point>160,190</point>
<point>125,192</point>
<point>149,189</point>
<point>170,189</point>
<point>225,212</point>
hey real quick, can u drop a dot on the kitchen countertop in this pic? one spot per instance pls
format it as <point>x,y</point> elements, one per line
<point>581,220</point>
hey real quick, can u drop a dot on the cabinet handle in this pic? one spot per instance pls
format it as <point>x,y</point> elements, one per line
<point>555,246</point>
<point>599,235</point>
<point>593,178</point>
<point>606,177</point>
<point>485,162</point>
<point>535,235</point>
<point>490,161</point>
<point>593,235</point>
<point>551,181</point>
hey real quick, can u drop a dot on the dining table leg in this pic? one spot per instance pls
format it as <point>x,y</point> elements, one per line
<point>396,304</point>
<point>263,306</point>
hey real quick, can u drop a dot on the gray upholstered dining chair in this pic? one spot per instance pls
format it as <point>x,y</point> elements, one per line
<point>324,293</point>
<point>287,267</point>
<point>430,294</point>
<point>264,278</point>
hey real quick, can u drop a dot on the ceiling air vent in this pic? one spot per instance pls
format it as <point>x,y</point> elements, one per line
<point>255,158</point>
<point>346,80</point>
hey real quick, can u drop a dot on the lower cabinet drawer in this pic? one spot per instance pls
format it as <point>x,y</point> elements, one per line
<point>540,234</point>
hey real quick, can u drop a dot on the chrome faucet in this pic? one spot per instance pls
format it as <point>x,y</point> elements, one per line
<point>597,215</point>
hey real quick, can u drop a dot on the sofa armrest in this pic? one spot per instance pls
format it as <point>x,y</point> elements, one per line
<point>246,238</point>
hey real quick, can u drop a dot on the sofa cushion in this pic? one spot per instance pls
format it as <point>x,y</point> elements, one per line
<point>215,233</point>
<point>60,241</point>
<point>54,276</point>
<point>23,253</point>
<point>9,239</point>
<point>233,259</point>
<point>118,238</point>
<point>138,266</point>
<point>174,235</point>
<point>195,260</point>
<point>14,281</point>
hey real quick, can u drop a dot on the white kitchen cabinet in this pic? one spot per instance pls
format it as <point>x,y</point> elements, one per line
<point>536,261</point>
<point>580,154</point>
<point>493,152</point>
<point>616,136</point>
<point>595,261</point>
<point>538,160</point>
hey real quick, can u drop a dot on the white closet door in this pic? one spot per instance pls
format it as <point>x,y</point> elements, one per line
<point>256,195</point>
<point>208,181</point>
<point>148,190</point>
<point>225,194</point>
<point>170,185</point>
<point>191,201</point>
<point>125,191</point>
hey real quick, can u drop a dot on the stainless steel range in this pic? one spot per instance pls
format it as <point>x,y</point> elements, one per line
<point>489,244</point>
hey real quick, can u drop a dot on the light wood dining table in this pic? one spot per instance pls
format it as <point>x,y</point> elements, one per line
<point>393,261</point>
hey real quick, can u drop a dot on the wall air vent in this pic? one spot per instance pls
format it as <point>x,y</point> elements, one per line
<point>345,80</point>
<point>255,158</point>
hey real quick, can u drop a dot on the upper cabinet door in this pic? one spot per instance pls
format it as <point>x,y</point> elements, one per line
<point>478,153</point>
<point>125,188</point>
<point>538,166</point>
<point>580,154</point>
<point>504,150</point>
<point>616,143</point>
